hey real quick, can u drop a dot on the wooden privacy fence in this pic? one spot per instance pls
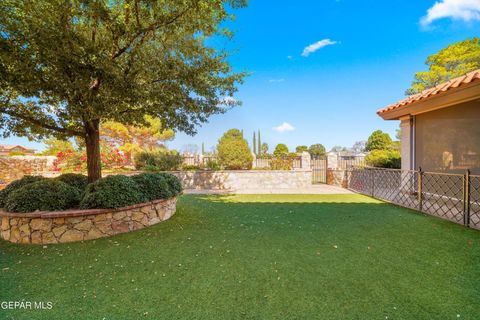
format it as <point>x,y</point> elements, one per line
<point>455,197</point>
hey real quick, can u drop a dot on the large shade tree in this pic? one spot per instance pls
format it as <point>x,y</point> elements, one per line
<point>450,62</point>
<point>68,65</point>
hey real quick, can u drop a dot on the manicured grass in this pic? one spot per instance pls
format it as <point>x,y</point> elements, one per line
<point>258,257</point>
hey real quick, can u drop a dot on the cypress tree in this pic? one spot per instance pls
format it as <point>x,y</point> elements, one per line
<point>203,148</point>
<point>259,149</point>
<point>254,144</point>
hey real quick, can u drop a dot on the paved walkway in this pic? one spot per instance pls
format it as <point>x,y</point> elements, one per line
<point>314,189</point>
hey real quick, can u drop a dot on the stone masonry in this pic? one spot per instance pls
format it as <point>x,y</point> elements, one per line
<point>237,180</point>
<point>13,168</point>
<point>79,225</point>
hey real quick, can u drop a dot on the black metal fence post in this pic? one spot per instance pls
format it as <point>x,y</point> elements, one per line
<point>466,199</point>
<point>420,189</point>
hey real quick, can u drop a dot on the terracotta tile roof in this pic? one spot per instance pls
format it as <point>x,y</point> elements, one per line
<point>443,87</point>
<point>12,146</point>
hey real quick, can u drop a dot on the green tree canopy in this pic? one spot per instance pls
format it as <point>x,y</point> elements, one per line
<point>300,149</point>
<point>316,149</point>
<point>338,148</point>
<point>66,66</point>
<point>450,62</point>
<point>54,146</point>
<point>281,150</point>
<point>233,151</point>
<point>264,149</point>
<point>359,146</point>
<point>378,140</point>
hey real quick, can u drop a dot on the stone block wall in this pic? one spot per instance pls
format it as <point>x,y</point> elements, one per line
<point>245,179</point>
<point>79,225</point>
<point>337,177</point>
<point>13,168</point>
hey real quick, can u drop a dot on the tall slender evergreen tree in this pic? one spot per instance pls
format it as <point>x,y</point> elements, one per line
<point>254,144</point>
<point>259,148</point>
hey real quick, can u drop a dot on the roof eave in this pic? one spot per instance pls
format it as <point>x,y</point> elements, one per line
<point>465,93</point>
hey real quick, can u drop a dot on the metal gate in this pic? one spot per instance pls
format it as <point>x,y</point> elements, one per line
<point>319,169</point>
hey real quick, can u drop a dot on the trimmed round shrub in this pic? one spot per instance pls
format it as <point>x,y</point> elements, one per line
<point>112,192</point>
<point>154,186</point>
<point>233,151</point>
<point>17,184</point>
<point>173,182</point>
<point>75,180</point>
<point>44,195</point>
<point>384,159</point>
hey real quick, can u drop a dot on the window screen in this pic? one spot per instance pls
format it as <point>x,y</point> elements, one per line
<point>449,139</point>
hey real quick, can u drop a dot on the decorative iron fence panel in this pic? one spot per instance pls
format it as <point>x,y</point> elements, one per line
<point>474,196</point>
<point>443,195</point>
<point>319,169</point>
<point>345,164</point>
<point>454,197</point>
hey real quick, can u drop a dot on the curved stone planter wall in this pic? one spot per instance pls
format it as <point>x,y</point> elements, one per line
<point>78,225</point>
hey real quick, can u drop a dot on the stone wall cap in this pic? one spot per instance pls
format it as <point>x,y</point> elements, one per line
<point>76,212</point>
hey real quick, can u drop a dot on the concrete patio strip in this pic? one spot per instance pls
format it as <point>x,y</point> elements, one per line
<point>314,189</point>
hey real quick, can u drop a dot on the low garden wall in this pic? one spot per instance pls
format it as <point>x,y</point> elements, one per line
<point>78,225</point>
<point>13,168</point>
<point>237,180</point>
<point>337,177</point>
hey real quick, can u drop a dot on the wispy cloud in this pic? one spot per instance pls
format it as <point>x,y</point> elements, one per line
<point>466,10</point>
<point>276,80</point>
<point>317,46</point>
<point>229,101</point>
<point>284,127</point>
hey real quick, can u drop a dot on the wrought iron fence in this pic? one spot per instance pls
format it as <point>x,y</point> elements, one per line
<point>345,164</point>
<point>455,197</point>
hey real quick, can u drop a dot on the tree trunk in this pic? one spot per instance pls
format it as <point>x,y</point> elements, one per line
<point>92,140</point>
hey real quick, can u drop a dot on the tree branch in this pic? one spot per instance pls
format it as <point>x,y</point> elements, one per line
<point>145,30</point>
<point>43,125</point>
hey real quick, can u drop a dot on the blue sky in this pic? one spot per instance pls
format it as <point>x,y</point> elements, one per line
<point>329,95</point>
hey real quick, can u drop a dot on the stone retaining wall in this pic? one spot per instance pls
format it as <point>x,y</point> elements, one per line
<point>13,168</point>
<point>239,180</point>
<point>79,225</point>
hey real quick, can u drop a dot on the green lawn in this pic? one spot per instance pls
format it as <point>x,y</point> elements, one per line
<point>258,257</point>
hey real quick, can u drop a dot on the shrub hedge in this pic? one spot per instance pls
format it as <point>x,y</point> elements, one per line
<point>154,186</point>
<point>121,191</point>
<point>112,192</point>
<point>43,195</point>
<point>15,185</point>
<point>72,191</point>
<point>173,182</point>
<point>75,180</point>
<point>384,159</point>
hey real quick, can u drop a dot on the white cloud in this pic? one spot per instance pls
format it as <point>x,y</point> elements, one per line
<point>289,57</point>
<point>284,127</point>
<point>276,80</point>
<point>228,101</point>
<point>317,46</point>
<point>466,10</point>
